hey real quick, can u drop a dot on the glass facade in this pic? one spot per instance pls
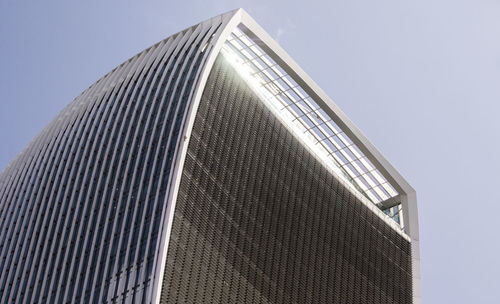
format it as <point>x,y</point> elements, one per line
<point>81,207</point>
<point>200,171</point>
<point>260,220</point>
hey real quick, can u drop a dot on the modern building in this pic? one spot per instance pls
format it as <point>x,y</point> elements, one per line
<point>208,168</point>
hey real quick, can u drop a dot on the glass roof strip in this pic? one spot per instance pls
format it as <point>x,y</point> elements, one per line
<point>378,176</point>
<point>355,167</point>
<point>362,183</point>
<point>345,139</point>
<point>355,173</point>
<point>246,40</point>
<point>289,82</point>
<point>291,96</point>
<point>318,134</point>
<point>311,119</point>
<point>369,179</point>
<point>333,140</point>
<point>277,71</point>
<point>349,171</point>
<point>387,194</point>
<point>336,140</point>
<point>274,76</point>
<point>349,154</point>
<point>237,44</point>
<point>373,196</point>
<point>327,130</point>
<point>312,105</point>
<point>273,89</point>
<point>355,150</point>
<point>341,157</point>
<point>312,115</point>
<point>333,126</point>
<point>233,48</point>
<point>381,193</point>
<point>349,149</point>
<point>232,37</point>
<point>303,108</point>
<point>388,187</point>
<point>328,146</point>
<point>254,65</point>
<point>260,61</point>
<point>256,50</point>
<point>268,75</point>
<point>247,54</point>
<point>238,32</point>
<point>368,165</point>
<point>283,86</point>
<point>323,116</point>
<point>357,164</point>
<point>293,108</point>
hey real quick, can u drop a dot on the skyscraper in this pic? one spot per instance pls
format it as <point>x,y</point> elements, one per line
<point>208,168</point>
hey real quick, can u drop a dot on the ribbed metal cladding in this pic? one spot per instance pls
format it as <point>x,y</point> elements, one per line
<point>82,207</point>
<point>259,220</point>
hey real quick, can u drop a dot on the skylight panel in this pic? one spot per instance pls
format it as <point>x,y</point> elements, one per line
<point>309,121</point>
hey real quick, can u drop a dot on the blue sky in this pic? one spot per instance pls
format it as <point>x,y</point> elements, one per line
<point>420,78</point>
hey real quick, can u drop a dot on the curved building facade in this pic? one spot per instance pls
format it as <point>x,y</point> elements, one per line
<point>209,168</point>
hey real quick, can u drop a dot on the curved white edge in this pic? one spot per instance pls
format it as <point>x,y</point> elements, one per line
<point>233,19</point>
<point>407,193</point>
